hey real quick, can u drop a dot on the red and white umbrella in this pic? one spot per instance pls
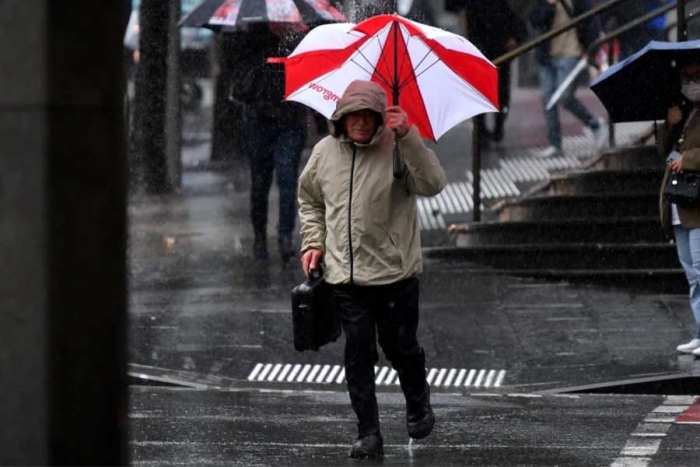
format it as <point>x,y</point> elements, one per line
<point>440,79</point>
<point>229,14</point>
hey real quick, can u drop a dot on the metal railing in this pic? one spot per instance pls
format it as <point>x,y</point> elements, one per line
<point>505,59</point>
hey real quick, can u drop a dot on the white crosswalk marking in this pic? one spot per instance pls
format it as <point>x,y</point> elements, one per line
<point>264,372</point>
<point>334,372</point>
<point>314,371</point>
<point>470,377</point>
<point>480,378</point>
<point>254,373</point>
<point>294,372</point>
<point>284,372</point>
<point>322,375</point>
<point>385,376</point>
<point>440,376</point>
<point>275,370</point>
<point>304,370</point>
<point>450,376</point>
<point>381,375</point>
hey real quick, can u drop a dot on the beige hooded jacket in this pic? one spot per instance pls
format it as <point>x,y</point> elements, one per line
<point>353,209</point>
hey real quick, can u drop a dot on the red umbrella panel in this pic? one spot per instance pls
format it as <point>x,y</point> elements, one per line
<point>439,78</point>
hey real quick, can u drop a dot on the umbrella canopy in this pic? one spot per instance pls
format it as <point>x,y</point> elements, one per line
<point>440,79</point>
<point>645,85</point>
<point>229,14</point>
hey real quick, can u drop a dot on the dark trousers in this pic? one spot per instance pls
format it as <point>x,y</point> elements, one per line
<point>389,314</point>
<point>274,149</point>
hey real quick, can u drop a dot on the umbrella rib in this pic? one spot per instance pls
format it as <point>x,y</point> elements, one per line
<point>371,72</point>
<point>403,62</point>
<point>375,68</point>
<point>414,75</point>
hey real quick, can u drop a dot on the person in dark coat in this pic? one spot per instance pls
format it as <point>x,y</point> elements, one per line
<point>274,133</point>
<point>494,29</point>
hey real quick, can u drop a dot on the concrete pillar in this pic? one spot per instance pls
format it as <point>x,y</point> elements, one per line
<point>62,234</point>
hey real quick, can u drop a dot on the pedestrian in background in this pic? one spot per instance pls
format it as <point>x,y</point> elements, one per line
<point>495,30</point>
<point>361,221</point>
<point>681,133</point>
<point>274,133</point>
<point>557,59</point>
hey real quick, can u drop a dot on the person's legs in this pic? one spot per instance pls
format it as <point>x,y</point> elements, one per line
<point>690,263</point>
<point>397,316</point>
<point>261,169</point>
<point>360,355</point>
<point>596,127</point>
<point>694,248</point>
<point>548,85</point>
<point>569,101</point>
<point>288,148</point>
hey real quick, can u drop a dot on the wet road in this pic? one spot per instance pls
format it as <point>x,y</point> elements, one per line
<point>253,428</point>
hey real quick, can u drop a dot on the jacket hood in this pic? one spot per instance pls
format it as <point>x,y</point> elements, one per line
<point>359,95</point>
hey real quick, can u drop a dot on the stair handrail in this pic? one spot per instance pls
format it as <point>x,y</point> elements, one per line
<point>503,59</point>
<point>612,35</point>
<point>528,46</point>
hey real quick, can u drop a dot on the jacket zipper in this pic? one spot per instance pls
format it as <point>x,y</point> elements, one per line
<point>352,177</point>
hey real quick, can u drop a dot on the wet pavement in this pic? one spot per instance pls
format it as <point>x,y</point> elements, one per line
<point>204,316</point>
<point>315,428</point>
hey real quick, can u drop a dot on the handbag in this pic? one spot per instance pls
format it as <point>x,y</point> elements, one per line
<point>683,188</point>
<point>315,322</point>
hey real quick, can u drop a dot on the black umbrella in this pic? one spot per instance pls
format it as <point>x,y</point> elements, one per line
<point>230,14</point>
<point>645,85</point>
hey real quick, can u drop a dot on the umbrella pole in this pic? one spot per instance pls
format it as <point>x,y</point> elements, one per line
<point>398,163</point>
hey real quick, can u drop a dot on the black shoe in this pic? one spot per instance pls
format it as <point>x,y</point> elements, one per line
<point>368,447</point>
<point>286,248</point>
<point>260,248</point>
<point>420,419</point>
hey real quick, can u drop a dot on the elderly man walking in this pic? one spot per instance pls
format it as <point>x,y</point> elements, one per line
<point>361,221</point>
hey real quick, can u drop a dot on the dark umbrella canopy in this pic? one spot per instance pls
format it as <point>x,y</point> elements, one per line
<point>230,14</point>
<point>645,85</point>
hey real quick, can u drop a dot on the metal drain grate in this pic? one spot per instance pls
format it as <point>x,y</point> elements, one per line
<point>385,376</point>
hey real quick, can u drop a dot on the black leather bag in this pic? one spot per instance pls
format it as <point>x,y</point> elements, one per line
<point>683,188</point>
<point>314,320</point>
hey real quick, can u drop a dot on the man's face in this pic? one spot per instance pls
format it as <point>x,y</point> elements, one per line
<point>361,126</point>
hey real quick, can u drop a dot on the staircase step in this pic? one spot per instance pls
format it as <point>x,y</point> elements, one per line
<point>584,256</point>
<point>633,158</point>
<point>607,181</point>
<point>661,281</point>
<point>611,205</point>
<point>644,281</point>
<point>607,230</point>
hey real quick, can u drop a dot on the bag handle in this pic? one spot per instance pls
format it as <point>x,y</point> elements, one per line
<point>315,274</point>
